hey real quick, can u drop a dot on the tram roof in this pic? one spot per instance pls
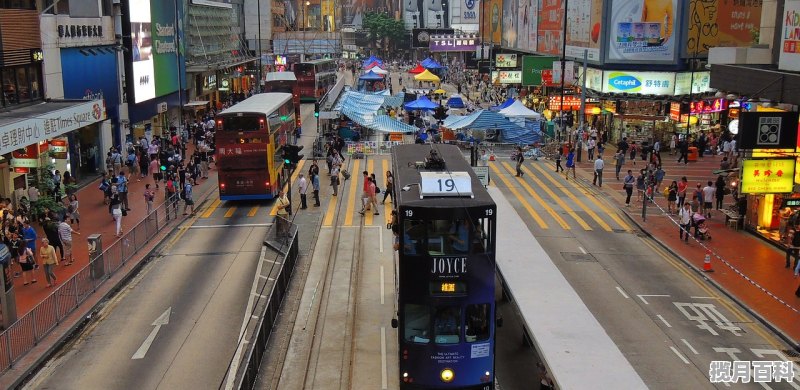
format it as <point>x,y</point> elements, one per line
<point>259,103</point>
<point>404,158</point>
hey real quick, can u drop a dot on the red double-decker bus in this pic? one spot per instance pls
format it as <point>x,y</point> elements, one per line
<point>315,78</point>
<point>249,136</point>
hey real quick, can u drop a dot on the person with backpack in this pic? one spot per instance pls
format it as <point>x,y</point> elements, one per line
<point>187,198</point>
<point>131,161</point>
<point>628,186</point>
<point>116,160</point>
<point>116,209</point>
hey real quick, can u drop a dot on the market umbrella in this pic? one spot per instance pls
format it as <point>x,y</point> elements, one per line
<point>418,69</point>
<point>440,91</point>
<point>423,103</point>
<point>426,76</point>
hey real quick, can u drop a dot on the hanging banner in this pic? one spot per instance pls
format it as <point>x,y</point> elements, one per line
<point>505,60</point>
<point>790,37</point>
<point>768,176</point>
<point>507,77</point>
<point>551,22</point>
<point>643,31</point>
<point>583,31</point>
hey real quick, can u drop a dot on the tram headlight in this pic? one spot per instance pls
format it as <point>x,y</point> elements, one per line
<point>447,375</point>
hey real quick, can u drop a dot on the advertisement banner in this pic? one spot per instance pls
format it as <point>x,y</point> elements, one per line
<point>767,176</point>
<point>154,52</point>
<point>767,130</point>
<point>790,37</point>
<point>510,20</point>
<point>639,83</point>
<point>551,20</point>
<point>89,80</point>
<point>421,37</point>
<point>455,42</point>
<point>527,22</point>
<point>643,31</point>
<point>507,77</point>
<point>492,17</point>
<point>532,67</point>
<point>505,60</point>
<point>464,13</point>
<point>721,24</point>
<point>583,30</point>
<point>700,81</point>
<point>571,103</point>
<point>594,78</point>
<point>49,125</point>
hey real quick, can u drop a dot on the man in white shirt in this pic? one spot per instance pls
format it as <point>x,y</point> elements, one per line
<point>599,164</point>
<point>685,217</point>
<point>709,193</point>
<point>302,187</point>
<point>590,147</point>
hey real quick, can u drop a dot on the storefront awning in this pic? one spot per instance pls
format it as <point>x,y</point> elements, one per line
<point>196,103</point>
<point>28,125</point>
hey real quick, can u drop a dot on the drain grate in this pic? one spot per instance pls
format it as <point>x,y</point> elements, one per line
<point>579,257</point>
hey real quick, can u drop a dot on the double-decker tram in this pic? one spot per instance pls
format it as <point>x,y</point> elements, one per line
<point>446,271</point>
<point>315,78</point>
<point>249,137</point>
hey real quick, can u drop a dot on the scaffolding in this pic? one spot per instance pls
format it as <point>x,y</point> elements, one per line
<point>211,43</point>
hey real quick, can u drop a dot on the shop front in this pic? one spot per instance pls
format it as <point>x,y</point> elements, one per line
<point>156,117</point>
<point>45,141</point>
<point>771,200</point>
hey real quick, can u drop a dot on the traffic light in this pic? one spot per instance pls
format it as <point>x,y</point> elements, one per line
<point>316,110</point>
<point>291,154</point>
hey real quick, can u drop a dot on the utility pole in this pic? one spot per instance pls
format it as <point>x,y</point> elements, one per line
<point>563,70</point>
<point>260,64</point>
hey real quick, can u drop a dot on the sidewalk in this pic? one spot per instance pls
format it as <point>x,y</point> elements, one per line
<point>746,267</point>
<point>95,219</point>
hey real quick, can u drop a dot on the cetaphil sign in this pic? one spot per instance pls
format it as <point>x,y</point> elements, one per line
<point>640,83</point>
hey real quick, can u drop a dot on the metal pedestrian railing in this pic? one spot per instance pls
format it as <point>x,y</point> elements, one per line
<point>24,334</point>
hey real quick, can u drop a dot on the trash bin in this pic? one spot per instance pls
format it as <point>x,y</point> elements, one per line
<point>693,154</point>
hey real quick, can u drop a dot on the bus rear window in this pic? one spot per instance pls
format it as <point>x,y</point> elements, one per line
<point>242,123</point>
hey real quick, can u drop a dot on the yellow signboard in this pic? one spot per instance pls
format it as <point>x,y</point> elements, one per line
<point>767,176</point>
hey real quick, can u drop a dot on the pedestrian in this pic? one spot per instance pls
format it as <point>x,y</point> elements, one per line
<point>628,186</point>
<point>29,235</point>
<point>155,170</point>
<point>720,193</point>
<point>122,188</point>
<point>57,185</point>
<point>685,220</point>
<point>116,158</point>
<point>370,196</point>
<point>365,198</point>
<point>599,164</point>
<point>559,153</point>
<point>570,165</point>
<point>590,145</point>
<point>683,185</point>
<point>149,197</point>
<point>793,249</point>
<point>116,210</point>
<point>389,190</point>
<point>315,186</point>
<point>26,262</point>
<point>709,193</point>
<point>65,235</point>
<point>188,201</point>
<point>697,199</point>
<point>282,220</point>
<point>17,248</point>
<point>483,161</point>
<point>619,160</point>
<point>520,160</point>
<point>50,228</point>
<point>683,148</point>
<point>640,185</point>
<point>633,152</point>
<point>673,143</point>
<point>302,188</point>
<point>672,196</point>
<point>47,257</point>
<point>335,179</point>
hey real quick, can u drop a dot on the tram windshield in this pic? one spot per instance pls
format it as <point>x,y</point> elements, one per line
<point>417,323</point>
<point>442,237</point>
<point>477,317</point>
<point>447,325</point>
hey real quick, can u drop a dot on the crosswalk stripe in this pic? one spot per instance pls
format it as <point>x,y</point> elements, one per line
<point>253,212</point>
<point>230,212</point>
<point>539,199</point>
<point>210,209</point>
<point>297,171</point>
<point>329,213</point>
<point>588,210</point>
<point>355,175</point>
<point>516,193</point>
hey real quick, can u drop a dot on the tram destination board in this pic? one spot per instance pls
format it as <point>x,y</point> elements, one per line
<point>446,184</point>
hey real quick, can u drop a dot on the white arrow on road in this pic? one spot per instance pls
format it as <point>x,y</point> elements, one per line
<point>163,319</point>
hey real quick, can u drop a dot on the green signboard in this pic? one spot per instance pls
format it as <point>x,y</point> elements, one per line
<point>532,67</point>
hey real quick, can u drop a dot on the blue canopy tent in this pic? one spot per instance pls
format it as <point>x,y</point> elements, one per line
<point>496,125</point>
<point>371,76</point>
<point>433,65</point>
<point>423,103</point>
<point>455,101</point>
<point>503,105</point>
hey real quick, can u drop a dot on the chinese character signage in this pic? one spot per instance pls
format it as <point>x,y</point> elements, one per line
<point>17,135</point>
<point>643,31</point>
<point>505,60</point>
<point>767,130</point>
<point>708,106</point>
<point>507,77</point>
<point>790,37</point>
<point>533,67</point>
<point>639,83</point>
<point>571,103</point>
<point>767,176</point>
<point>454,42</point>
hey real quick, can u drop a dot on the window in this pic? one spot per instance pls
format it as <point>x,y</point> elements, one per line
<point>448,237</point>
<point>241,123</point>
<point>413,237</point>
<point>9,88</point>
<point>477,317</point>
<point>417,322</point>
<point>447,325</point>
<point>20,85</point>
<point>18,4</point>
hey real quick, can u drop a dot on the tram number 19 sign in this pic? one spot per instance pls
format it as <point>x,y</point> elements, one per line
<point>445,184</point>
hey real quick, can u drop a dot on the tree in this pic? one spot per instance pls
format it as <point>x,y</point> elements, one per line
<point>383,32</point>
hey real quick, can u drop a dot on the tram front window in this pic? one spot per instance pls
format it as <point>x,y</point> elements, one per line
<point>447,325</point>
<point>417,323</point>
<point>477,317</point>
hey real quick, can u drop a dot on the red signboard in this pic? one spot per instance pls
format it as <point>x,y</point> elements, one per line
<point>22,170</point>
<point>708,106</point>
<point>570,103</point>
<point>59,147</point>
<point>675,111</point>
<point>32,151</point>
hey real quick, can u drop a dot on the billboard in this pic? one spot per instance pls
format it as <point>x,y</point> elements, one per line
<point>510,20</point>
<point>455,42</point>
<point>421,37</point>
<point>767,130</point>
<point>507,77</point>
<point>639,83</point>
<point>551,20</point>
<point>700,81</point>
<point>790,37</point>
<point>767,176</point>
<point>532,67</point>
<point>492,17</point>
<point>153,50</point>
<point>527,22</point>
<point>643,31</point>
<point>583,29</point>
<point>721,24</point>
<point>465,15</point>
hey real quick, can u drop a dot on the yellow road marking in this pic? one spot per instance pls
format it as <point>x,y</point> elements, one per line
<point>328,221</point>
<point>712,292</point>
<point>544,204</point>
<point>368,216</point>
<point>580,204</point>
<point>516,193</point>
<point>230,212</point>
<point>210,209</point>
<point>297,171</point>
<point>355,175</point>
<point>603,207</point>
<point>253,212</point>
